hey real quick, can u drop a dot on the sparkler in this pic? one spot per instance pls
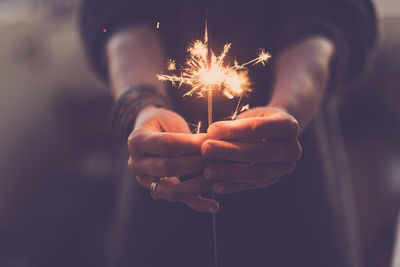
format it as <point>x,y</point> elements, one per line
<point>205,72</point>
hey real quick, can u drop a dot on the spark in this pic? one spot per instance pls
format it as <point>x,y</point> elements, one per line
<point>205,71</point>
<point>245,107</point>
<point>158,24</point>
<point>262,59</point>
<point>239,109</point>
<point>198,127</point>
<point>171,65</point>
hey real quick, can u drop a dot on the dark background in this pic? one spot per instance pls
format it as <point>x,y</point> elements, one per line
<point>56,161</point>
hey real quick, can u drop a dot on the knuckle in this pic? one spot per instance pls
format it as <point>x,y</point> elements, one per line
<point>131,165</point>
<point>214,127</point>
<point>214,130</point>
<point>289,125</point>
<point>294,152</point>
<point>133,139</point>
<point>138,167</point>
<point>220,130</point>
<point>209,149</point>
<point>299,150</point>
<point>292,125</point>
<point>163,167</point>
<point>164,143</point>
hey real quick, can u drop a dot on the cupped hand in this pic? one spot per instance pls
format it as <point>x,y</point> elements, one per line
<point>257,149</point>
<point>162,146</point>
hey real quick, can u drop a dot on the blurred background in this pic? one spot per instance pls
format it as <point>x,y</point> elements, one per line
<point>57,159</point>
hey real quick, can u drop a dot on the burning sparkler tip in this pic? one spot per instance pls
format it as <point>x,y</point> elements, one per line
<point>204,71</point>
<point>263,57</point>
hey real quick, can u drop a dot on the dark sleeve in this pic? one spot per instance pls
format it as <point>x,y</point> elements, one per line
<point>349,24</point>
<point>100,19</point>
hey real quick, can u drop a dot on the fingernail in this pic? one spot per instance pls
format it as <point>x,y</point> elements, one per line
<point>210,174</point>
<point>219,188</point>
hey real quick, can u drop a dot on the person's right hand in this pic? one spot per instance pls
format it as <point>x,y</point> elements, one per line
<point>162,146</point>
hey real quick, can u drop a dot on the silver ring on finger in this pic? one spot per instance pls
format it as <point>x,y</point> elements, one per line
<point>153,190</point>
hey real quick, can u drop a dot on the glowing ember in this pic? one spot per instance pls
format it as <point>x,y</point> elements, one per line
<point>239,109</point>
<point>204,72</point>
<point>171,65</point>
<point>245,107</point>
<point>198,127</point>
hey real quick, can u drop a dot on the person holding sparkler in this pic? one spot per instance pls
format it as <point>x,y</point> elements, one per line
<point>269,212</point>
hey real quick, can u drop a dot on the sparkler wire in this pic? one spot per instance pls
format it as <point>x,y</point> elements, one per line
<point>210,120</point>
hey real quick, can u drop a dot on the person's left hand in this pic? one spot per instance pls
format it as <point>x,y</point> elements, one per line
<point>260,146</point>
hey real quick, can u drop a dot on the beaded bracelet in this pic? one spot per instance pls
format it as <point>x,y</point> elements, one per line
<point>127,106</point>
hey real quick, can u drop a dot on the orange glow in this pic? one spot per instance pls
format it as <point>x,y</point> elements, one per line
<point>171,65</point>
<point>203,72</point>
<point>245,107</point>
<point>237,111</point>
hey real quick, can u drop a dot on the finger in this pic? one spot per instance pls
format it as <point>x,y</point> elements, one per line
<point>227,188</point>
<point>197,202</point>
<point>201,204</point>
<point>155,143</point>
<point>170,188</point>
<point>183,190</point>
<point>248,173</point>
<point>261,112</point>
<point>275,126</point>
<point>146,180</point>
<point>168,166</point>
<point>273,151</point>
<point>173,190</point>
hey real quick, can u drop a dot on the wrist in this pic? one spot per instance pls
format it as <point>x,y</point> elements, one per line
<point>136,101</point>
